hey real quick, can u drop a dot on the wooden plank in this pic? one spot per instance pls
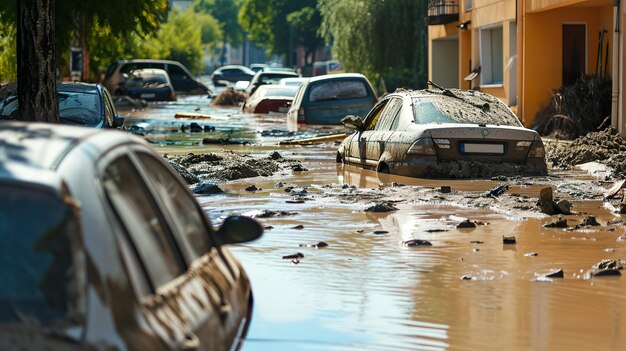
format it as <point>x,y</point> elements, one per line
<point>193,115</point>
<point>315,140</point>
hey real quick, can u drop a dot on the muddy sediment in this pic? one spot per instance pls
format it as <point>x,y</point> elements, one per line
<point>225,166</point>
<point>229,97</point>
<point>606,147</point>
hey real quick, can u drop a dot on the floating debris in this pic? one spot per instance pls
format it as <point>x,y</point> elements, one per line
<point>416,242</point>
<point>509,240</point>
<point>315,245</point>
<point>381,207</point>
<point>296,256</point>
<point>497,191</point>
<point>559,223</point>
<point>299,226</point>
<point>252,188</point>
<point>207,189</point>
<point>531,254</point>
<point>466,224</point>
<point>380,232</point>
<point>445,189</point>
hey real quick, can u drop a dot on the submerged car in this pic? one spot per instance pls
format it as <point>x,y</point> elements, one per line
<point>105,248</point>
<point>80,104</point>
<point>150,84</point>
<point>429,133</point>
<point>270,98</point>
<point>327,99</point>
<point>231,74</point>
<point>268,76</point>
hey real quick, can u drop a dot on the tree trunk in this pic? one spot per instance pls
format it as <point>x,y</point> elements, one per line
<point>84,42</point>
<point>36,76</point>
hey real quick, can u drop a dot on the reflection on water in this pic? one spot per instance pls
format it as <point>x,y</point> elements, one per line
<point>367,291</point>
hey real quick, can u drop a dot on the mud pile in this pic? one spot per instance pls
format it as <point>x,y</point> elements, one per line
<point>605,147</point>
<point>229,97</point>
<point>226,166</point>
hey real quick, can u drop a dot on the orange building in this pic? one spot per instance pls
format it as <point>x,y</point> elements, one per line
<point>522,50</point>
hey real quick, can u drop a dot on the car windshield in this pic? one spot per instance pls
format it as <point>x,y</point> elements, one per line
<point>74,108</point>
<point>79,108</point>
<point>338,89</point>
<point>444,109</point>
<point>39,255</point>
<point>273,78</point>
<point>147,81</point>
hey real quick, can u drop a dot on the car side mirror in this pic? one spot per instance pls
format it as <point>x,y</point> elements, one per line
<point>118,121</point>
<point>239,229</point>
<point>125,76</point>
<point>352,122</point>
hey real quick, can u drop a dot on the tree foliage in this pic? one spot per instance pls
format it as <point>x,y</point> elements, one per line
<point>281,25</point>
<point>381,39</point>
<point>8,58</point>
<point>225,12</point>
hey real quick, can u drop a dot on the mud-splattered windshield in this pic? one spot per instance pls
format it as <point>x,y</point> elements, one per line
<point>75,108</point>
<point>467,110</point>
<point>39,246</point>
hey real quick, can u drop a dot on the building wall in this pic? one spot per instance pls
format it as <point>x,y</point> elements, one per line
<point>543,58</point>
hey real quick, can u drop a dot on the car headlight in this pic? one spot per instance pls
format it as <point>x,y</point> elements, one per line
<point>422,146</point>
<point>537,150</point>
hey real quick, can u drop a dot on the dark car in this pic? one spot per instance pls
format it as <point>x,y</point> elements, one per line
<point>81,104</point>
<point>428,133</point>
<point>327,99</point>
<point>105,248</point>
<point>231,74</point>
<point>150,84</point>
<point>182,80</point>
<point>268,76</point>
<point>270,98</point>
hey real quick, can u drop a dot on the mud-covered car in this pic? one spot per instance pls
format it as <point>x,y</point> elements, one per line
<point>442,133</point>
<point>105,248</point>
<point>270,98</point>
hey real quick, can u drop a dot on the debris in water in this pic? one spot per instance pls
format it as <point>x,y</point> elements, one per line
<point>416,242</point>
<point>477,242</point>
<point>229,97</point>
<point>379,232</point>
<point>252,188</point>
<point>275,155</point>
<point>564,207</point>
<point>298,168</point>
<point>606,267</point>
<point>476,249</point>
<point>589,221</point>
<point>497,191</point>
<point>557,273</point>
<point>615,189</point>
<point>295,201</point>
<point>559,223</point>
<point>296,256</point>
<point>315,245</point>
<point>435,230</point>
<point>299,226</point>
<point>509,240</point>
<point>445,189</point>
<point>207,189</point>
<point>269,214</point>
<point>466,224</point>
<point>531,254</point>
<point>269,227</point>
<point>381,207</point>
<point>546,201</point>
<point>467,277</point>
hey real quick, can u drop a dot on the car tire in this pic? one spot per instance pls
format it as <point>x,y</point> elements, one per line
<point>383,168</point>
<point>340,158</point>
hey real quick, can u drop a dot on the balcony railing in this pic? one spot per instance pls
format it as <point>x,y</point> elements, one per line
<point>443,11</point>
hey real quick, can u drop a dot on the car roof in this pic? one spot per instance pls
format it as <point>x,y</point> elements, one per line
<point>79,87</point>
<point>154,71</point>
<point>149,60</point>
<point>336,76</point>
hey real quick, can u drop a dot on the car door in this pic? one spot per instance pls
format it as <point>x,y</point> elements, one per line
<point>181,80</point>
<point>185,282</point>
<point>359,143</point>
<point>383,130</point>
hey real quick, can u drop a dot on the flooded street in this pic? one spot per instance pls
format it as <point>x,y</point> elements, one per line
<point>366,290</point>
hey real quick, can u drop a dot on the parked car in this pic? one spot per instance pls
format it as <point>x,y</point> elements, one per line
<point>417,133</point>
<point>183,81</point>
<point>80,104</point>
<point>293,81</point>
<point>242,85</point>
<point>268,76</point>
<point>327,99</point>
<point>232,74</point>
<point>150,84</point>
<point>105,248</point>
<point>270,98</point>
<point>255,67</point>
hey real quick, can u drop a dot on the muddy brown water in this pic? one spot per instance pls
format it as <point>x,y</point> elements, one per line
<point>367,291</point>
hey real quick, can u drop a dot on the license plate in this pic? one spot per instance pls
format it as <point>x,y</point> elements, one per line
<point>469,148</point>
<point>144,96</point>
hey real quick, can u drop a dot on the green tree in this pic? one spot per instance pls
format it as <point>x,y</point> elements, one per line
<point>8,57</point>
<point>282,25</point>
<point>360,33</point>
<point>225,12</point>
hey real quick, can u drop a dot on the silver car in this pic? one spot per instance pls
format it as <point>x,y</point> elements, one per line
<point>105,248</point>
<point>434,133</point>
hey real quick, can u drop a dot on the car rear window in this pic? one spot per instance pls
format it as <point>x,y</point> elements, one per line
<point>147,81</point>
<point>443,109</point>
<point>337,90</point>
<point>40,252</point>
<point>81,108</point>
<point>274,78</point>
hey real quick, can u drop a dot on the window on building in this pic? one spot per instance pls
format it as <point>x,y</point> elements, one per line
<point>468,5</point>
<point>491,55</point>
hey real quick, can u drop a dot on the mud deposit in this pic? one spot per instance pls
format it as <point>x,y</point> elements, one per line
<point>229,97</point>
<point>472,169</point>
<point>229,165</point>
<point>605,147</point>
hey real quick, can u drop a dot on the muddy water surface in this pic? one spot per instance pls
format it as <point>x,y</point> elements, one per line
<point>367,291</point>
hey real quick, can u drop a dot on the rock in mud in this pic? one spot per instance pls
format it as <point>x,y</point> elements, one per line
<point>315,245</point>
<point>509,240</point>
<point>607,267</point>
<point>608,263</point>
<point>497,191</point>
<point>207,189</point>
<point>299,226</point>
<point>589,221</point>
<point>296,256</point>
<point>445,189</point>
<point>531,254</point>
<point>252,188</point>
<point>477,242</point>
<point>275,156</point>
<point>294,201</point>
<point>564,207</point>
<point>270,214</point>
<point>603,272</point>
<point>436,230</point>
<point>298,168</point>
<point>467,277</point>
<point>416,242</point>
<point>380,232</point>
<point>381,207</point>
<point>189,177</point>
<point>466,224</point>
<point>546,201</point>
<point>559,223</point>
<point>229,97</point>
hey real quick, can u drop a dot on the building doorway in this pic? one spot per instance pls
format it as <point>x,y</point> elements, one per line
<point>445,61</point>
<point>574,52</point>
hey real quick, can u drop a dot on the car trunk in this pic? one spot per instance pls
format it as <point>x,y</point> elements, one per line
<point>482,143</point>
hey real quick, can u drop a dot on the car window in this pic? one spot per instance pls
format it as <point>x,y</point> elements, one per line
<point>146,81</point>
<point>231,71</point>
<point>186,216</point>
<point>443,109</point>
<point>108,112</point>
<point>40,258</point>
<point>129,67</point>
<point>273,78</point>
<point>372,117</point>
<point>337,90</point>
<point>176,71</point>
<point>82,108</point>
<point>389,115</point>
<point>139,214</point>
